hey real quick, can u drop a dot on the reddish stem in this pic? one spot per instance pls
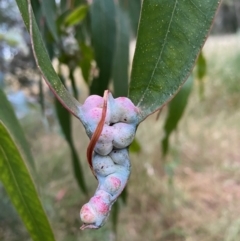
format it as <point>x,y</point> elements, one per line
<point>97,132</point>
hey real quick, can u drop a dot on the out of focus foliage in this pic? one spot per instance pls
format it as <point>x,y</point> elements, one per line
<point>75,37</point>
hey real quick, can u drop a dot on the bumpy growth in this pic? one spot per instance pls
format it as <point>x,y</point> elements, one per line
<point>112,125</point>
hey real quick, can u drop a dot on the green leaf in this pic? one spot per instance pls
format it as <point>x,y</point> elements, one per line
<point>41,96</point>
<point>115,215</point>
<point>73,83</point>
<point>64,119</point>
<point>43,61</point>
<point>171,33</point>
<point>121,57</point>
<point>78,2</point>
<point>133,8</point>
<point>116,209</point>
<point>85,63</point>
<point>103,26</point>
<point>124,195</point>
<point>8,118</point>
<point>201,72</point>
<point>175,111</point>
<point>37,12</point>
<point>49,11</point>
<point>135,147</point>
<point>201,66</point>
<point>17,181</point>
<point>76,16</point>
<point>63,5</point>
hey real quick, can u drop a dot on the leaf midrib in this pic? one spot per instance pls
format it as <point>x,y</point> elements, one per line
<point>160,55</point>
<point>18,187</point>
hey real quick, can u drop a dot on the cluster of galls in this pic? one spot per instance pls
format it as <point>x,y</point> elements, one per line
<point>110,160</point>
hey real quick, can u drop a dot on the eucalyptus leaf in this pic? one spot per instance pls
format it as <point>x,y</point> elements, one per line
<point>121,57</point>
<point>41,96</point>
<point>73,83</point>
<point>78,2</point>
<point>63,5</point>
<point>76,16</point>
<point>49,11</point>
<point>115,215</point>
<point>201,68</point>
<point>37,11</point>
<point>175,111</point>
<point>103,27</point>
<point>44,63</point>
<point>17,181</point>
<point>85,63</point>
<point>135,147</point>
<point>116,209</point>
<point>170,37</point>
<point>133,8</point>
<point>124,195</point>
<point>8,118</point>
<point>64,118</point>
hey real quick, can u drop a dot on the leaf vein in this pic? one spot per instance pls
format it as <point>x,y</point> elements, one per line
<point>30,214</point>
<point>160,54</point>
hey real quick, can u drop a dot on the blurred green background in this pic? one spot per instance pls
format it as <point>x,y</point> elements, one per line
<point>191,194</point>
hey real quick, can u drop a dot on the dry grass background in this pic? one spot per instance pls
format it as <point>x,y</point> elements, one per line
<point>200,201</point>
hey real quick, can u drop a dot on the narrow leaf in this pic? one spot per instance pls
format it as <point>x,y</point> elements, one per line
<point>85,63</point>
<point>201,72</point>
<point>8,117</point>
<point>116,209</point>
<point>175,111</point>
<point>73,83</point>
<point>76,16</point>
<point>64,119</point>
<point>41,96</point>
<point>17,181</point>
<point>124,195</point>
<point>135,147</point>
<point>115,216</point>
<point>103,26</point>
<point>201,66</point>
<point>43,61</point>
<point>170,36</point>
<point>133,8</point>
<point>78,2</point>
<point>49,11</point>
<point>37,12</point>
<point>121,57</point>
<point>63,5</point>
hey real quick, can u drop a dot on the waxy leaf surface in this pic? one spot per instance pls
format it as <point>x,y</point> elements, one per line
<point>43,61</point>
<point>103,27</point>
<point>9,119</point>
<point>18,184</point>
<point>121,57</point>
<point>171,34</point>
